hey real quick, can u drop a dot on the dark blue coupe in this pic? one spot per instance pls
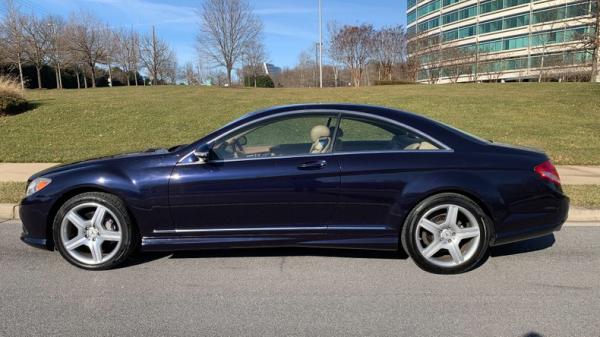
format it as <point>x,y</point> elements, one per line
<point>314,175</point>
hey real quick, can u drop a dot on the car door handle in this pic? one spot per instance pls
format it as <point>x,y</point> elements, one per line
<point>313,165</point>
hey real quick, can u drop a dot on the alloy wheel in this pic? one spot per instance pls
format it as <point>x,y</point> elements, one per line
<point>91,233</point>
<point>448,235</point>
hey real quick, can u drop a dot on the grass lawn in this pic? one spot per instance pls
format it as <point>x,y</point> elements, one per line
<point>11,193</point>
<point>561,118</point>
<point>587,196</point>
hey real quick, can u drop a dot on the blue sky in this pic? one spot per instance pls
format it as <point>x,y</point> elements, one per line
<point>290,26</point>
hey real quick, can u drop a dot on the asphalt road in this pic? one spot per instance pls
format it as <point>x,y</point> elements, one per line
<point>545,287</point>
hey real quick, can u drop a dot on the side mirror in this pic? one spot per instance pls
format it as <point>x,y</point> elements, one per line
<point>203,154</point>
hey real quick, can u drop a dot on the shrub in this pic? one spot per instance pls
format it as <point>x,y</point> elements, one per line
<point>11,96</point>
<point>393,82</point>
<point>262,81</point>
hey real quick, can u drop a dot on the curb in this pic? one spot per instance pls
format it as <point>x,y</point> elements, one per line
<point>9,211</point>
<point>576,214</point>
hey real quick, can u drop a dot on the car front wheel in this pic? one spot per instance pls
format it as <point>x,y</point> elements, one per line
<point>446,234</point>
<point>94,231</point>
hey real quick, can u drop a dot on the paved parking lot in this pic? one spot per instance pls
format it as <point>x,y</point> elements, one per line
<point>547,287</point>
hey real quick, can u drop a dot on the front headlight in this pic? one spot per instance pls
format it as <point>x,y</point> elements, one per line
<point>37,185</point>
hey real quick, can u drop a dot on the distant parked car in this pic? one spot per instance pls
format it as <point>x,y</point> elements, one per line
<point>313,175</point>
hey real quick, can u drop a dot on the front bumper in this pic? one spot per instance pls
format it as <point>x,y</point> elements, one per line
<point>34,216</point>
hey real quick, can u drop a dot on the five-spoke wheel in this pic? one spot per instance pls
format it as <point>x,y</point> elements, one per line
<point>93,231</point>
<point>446,233</point>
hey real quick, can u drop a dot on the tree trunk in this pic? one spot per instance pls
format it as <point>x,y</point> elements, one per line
<point>229,69</point>
<point>38,70</point>
<point>60,83</point>
<point>135,76</point>
<point>20,72</point>
<point>56,77</point>
<point>595,58</point>
<point>85,84</point>
<point>541,69</point>
<point>93,75</point>
<point>77,75</point>
<point>109,75</point>
<point>595,76</point>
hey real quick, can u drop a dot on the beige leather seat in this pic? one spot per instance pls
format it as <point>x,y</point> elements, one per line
<point>321,137</point>
<point>421,146</point>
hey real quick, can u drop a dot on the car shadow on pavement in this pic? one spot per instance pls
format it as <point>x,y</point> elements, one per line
<point>504,250</point>
<point>527,246</point>
<point>269,252</point>
<point>146,257</point>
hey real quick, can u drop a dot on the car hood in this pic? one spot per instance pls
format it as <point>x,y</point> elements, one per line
<point>96,161</point>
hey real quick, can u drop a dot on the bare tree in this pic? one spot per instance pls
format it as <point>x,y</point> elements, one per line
<point>409,69</point>
<point>58,46</point>
<point>89,38</point>
<point>457,62</point>
<point>127,53</point>
<point>430,54</point>
<point>226,28</point>
<point>189,74</point>
<point>591,39</point>
<point>12,36</point>
<point>352,46</point>
<point>389,49</point>
<point>158,58</point>
<point>36,38</point>
<point>254,58</point>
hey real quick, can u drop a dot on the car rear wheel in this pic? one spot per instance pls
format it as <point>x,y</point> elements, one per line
<point>94,231</point>
<point>446,234</point>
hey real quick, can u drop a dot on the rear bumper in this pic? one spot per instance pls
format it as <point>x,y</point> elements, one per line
<point>525,226</point>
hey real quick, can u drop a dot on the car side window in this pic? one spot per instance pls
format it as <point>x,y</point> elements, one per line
<point>288,136</point>
<point>361,134</point>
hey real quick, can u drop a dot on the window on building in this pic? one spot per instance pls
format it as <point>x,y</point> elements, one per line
<point>490,26</point>
<point>428,8</point>
<point>490,6</point>
<point>515,21</point>
<point>516,42</point>
<point>467,31</point>
<point>412,16</point>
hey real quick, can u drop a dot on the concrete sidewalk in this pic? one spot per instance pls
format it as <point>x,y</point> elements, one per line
<point>579,175</point>
<point>20,172</point>
<point>569,174</point>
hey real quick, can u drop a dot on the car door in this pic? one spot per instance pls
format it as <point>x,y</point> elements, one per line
<point>267,177</point>
<point>378,158</point>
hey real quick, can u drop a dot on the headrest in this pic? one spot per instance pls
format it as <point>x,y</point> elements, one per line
<point>319,132</point>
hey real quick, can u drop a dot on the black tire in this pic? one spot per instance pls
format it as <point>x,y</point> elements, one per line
<point>409,239</point>
<point>129,241</point>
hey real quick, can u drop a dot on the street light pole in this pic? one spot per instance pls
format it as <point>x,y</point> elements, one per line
<point>320,45</point>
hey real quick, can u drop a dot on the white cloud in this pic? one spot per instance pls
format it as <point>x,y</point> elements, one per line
<point>141,12</point>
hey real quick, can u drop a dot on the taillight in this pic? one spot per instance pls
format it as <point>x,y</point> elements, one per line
<point>547,171</point>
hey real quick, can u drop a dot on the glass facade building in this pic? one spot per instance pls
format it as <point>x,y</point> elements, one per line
<point>481,40</point>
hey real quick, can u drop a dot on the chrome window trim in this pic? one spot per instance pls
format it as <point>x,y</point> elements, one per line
<point>340,113</point>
